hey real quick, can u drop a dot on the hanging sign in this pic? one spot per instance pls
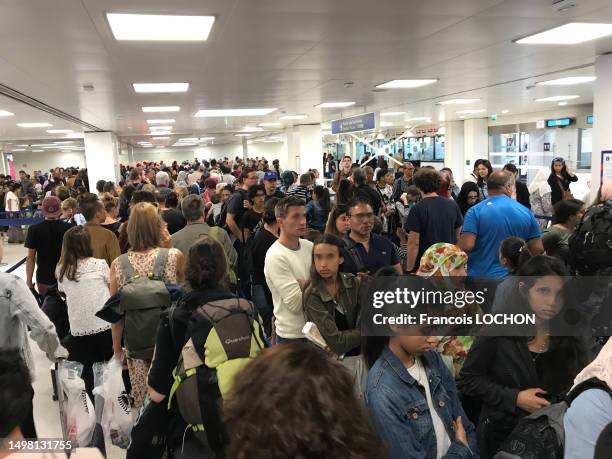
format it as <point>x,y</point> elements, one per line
<point>363,122</point>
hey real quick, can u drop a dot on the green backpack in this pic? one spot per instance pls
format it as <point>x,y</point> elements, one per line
<point>231,274</point>
<point>223,337</point>
<point>142,300</point>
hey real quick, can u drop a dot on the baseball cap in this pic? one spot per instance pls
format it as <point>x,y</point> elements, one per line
<point>270,176</point>
<point>51,207</point>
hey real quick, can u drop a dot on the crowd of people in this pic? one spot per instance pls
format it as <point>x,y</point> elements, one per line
<point>188,239</point>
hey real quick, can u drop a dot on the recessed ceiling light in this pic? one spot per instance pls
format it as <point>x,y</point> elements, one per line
<point>34,125</point>
<point>556,98</point>
<point>64,142</point>
<point>270,124</point>
<point>6,113</point>
<point>59,131</point>
<point>293,117</point>
<point>458,101</point>
<point>160,27</point>
<point>334,104</point>
<point>169,108</point>
<point>568,34</point>
<point>462,117</point>
<point>403,84</point>
<point>252,129</point>
<point>161,121</point>
<point>471,111</point>
<point>505,111</point>
<point>160,87</point>
<point>188,139</point>
<point>75,135</point>
<point>243,135</point>
<point>386,124</point>
<point>234,112</point>
<point>37,151</point>
<point>18,149</point>
<point>392,113</point>
<point>160,128</point>
<point>562,104</point>
<point>160,138</point>
<point>204,139</point>
<point>326,126</point>
<point>567,81</point>
<point>419,118</point>
<point>160,133</point>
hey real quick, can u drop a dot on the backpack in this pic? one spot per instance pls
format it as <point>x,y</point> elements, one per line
<point>590,246</point>
<point>541,434</point>
<point>223,336</point>
<point>142,300</point>
<point>231,274</point>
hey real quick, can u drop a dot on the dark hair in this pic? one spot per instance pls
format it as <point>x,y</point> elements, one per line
<point>206,263</point>
<point>245,173</point>
<point>160,198</point>
<point>326,238</point>
<point>462,197</point>
<point>16,391</point>
<point>359,176</point>
<point>322,195</point>
<point>310,386</point>
<point>516,251</point>
<point>108,187</point>
<point>109,202</point>
<point>330,227</point>
<point>253,191</point>
<point>62,192</point>
<point>381,174</point>
<point>564,210</point>
<point>563,172</point>
<point>357,201</point>
<point>345,192</point>
<point>427,180</point>
<point>486,163</point>
<point>90,205</point>
<point>76,245</point>
<point>283,205</point>
<point>171,200</point>
<point>268,214</point>
<point>100,185</point>
<point>143,196</point>
<point>510,168</point>
<point>135,173</point>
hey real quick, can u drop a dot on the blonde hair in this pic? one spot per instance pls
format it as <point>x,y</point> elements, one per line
<point>181,192</point>
<point>69,203</point>
<point>109,201</point>
<point>145,227</point>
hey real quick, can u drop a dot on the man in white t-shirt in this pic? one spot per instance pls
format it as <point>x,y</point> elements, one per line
<point>287,268</point>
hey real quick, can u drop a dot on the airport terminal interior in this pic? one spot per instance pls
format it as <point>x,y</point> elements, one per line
<point>201,199</point>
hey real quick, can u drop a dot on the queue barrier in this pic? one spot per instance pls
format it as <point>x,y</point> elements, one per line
<point>21,218</point>
<point>16,265</point>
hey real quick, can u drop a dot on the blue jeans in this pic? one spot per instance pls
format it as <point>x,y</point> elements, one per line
<point>264,307</point>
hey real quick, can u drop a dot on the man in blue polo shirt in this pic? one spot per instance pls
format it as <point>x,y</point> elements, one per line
<point>488,223</point>
<point>366,252</point>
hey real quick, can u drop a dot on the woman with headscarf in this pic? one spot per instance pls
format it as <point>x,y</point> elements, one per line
<point>540,197</point>
<point>468,197</point>
<point>590,412</point>
<point>181,180</point>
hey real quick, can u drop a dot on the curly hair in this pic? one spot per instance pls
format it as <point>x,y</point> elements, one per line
<point>206,263</point>
<point>311,409</point>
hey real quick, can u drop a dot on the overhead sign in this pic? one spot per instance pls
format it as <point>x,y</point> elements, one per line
<point>559,123</point>
<point>589,119</point>
<point>541,124</point>
<point>363,122</point>
<point>606,166</point>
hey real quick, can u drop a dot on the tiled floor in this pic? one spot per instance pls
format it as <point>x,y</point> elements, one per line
<point>46,411</point>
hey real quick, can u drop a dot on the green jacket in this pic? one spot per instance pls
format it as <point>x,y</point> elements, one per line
<point>320,307</point>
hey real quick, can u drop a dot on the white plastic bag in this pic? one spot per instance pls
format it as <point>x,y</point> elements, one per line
<point>79,412</point>
<point>116,417</point>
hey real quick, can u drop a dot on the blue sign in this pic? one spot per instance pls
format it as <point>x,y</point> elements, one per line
<point>363,122</point>
<point>589,119</point>
<point>559,123</point>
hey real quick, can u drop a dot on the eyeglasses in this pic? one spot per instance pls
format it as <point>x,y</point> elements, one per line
<point>362,217</point>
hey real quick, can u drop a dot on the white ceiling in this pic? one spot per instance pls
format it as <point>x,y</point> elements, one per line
<point>289,54</point>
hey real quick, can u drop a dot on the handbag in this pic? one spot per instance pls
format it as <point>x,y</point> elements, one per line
<point>565,194</point>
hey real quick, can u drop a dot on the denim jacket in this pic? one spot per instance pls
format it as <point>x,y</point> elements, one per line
<point>400,412</point>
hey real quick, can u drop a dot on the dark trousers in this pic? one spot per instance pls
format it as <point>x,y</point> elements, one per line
<point>89,349</point>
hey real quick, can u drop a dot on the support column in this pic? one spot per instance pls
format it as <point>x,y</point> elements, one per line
<point>602,118</point>
<point>292,150</point>
<point>245,148</point>
<point>101,157</point>
<point>311,149</point>
<point>454,154</point>
<point>476,142</point>
<point>131,155</point>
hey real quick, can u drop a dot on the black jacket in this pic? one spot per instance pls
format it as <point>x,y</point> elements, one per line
<point>496,369</point>
<point>368,193</point>
<point>522,194</point>
<point>555,186</point>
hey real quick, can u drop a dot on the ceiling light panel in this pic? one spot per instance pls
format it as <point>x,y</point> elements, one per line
<point>160,128</point>
<point>568,34</point>
<point>59,131</point>
<point>160,27</point>
<point>406,84</point>
<point>556,98</point>
<point>293,117</point>
<point>160,87</point>
<point>161,138</point>
<point>234,112</point>
<point>471,111</point>
<point>392,113</point>
<point>4,113</point>
<point>162,121</point>
<point>567,81</point>
<point>34,125</point>
<point>270,124</point>
<point>335,104</point>
<point>204,139</point>
<point>162,109</point>
<point>420,118</point>
<point>458,101</point>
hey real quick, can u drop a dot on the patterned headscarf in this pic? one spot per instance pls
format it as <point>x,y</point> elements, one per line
<point>600,368</point>
<point>441,256</point>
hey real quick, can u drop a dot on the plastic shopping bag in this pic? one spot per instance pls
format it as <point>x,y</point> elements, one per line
<point>116,419</point>
<point>79,414</point>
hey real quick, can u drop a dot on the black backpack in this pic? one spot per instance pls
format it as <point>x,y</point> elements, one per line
<point>537,436</point>
<point>590,247</point>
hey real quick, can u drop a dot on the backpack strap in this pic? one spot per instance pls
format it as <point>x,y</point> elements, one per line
<point>592,383</point>
<point>160,263</point>
<point>214,233</point>
<point>126,267</point>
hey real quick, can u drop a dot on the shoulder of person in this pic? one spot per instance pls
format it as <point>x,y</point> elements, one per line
<point>350,279</point>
